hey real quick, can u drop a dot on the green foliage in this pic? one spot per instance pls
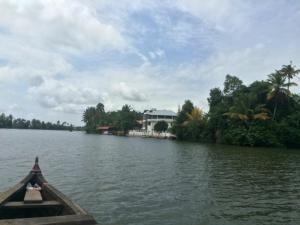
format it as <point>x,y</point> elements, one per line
<point>127,119</point>
<point>265,113</point>
<point>278,94</point>
<point>232,84</point>
<point>161,126</point>
<point>289,130</point>
<point>189,125</point>
<point>178,129</point>
<point>289,72</point>
<point>123,120</point>
<point>258,134</point>
<point>186,108</point>
<point>90,117</point>
<point>215,97</point>
<point>19,123</point>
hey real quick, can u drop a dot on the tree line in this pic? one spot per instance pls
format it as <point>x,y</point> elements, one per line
<point>264,113</point>
<point>121,120</point>
<point>8,121</point>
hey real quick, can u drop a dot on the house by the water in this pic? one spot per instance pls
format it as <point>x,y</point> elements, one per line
<point>150,118</point>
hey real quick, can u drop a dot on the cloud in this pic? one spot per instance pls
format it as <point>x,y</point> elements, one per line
<point>11,109</point>
<point>158,53</point>
<point>128,93</point>
<point>64,25</point>
<point>7,73</point>
<point>36,81</point>
<point>41,38</point>
<point>226,15</point>
<point>60,56</point>
<point>64,96</point>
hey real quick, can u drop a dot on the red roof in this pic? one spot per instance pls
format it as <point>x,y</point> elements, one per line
<point>104,127</point>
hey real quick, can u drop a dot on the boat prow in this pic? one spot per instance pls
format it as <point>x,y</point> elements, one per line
<point>35,201</point>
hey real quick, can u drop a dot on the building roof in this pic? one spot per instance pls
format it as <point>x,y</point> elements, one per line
<point>161,113</point>
<point>104,127</point>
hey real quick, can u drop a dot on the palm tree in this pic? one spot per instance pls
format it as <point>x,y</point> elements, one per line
<point>244,110</point>
<point>278,91</point>
<point>289,72</point>
<point>195,116</point>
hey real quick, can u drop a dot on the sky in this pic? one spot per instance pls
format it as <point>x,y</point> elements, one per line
<point>58,57</point>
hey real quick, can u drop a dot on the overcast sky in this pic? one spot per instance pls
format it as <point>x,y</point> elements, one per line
<point>58,57</point>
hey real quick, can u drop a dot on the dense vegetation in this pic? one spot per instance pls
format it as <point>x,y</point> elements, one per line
<point>18,123</point>
<point>265,113</point>
<point>122,120</point>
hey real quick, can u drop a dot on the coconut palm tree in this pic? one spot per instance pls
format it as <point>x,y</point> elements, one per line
<point>244,110</point>
<point>278,90</point>
<point>289,72</point>
<point>195,116</point>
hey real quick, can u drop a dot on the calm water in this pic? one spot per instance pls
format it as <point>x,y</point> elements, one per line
<point>123,180</point>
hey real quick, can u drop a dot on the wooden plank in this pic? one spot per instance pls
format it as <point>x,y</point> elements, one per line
<point>32,196</point>
<point>57,220</point>
<point>18,205</point>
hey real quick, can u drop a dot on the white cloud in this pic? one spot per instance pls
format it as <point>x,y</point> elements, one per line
<point>58,25</point>
<point>129,93</point>
<point>157,54</point>
<point>64,96</point>
<point>7,73</point>
<point>36,81</point>
<point>68,54</point>
<point>39,38</point>
<point>221,15</point>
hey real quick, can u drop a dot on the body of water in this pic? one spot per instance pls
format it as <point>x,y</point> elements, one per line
<point>136,181</point>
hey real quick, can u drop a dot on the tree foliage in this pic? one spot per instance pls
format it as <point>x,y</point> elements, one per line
<point>264,113</point>
<point>289,72</point>
<point>232,84</point>
<point>122,120</point>
<point>18,123</point>
<point>161,126</point>
<point>189,123</point>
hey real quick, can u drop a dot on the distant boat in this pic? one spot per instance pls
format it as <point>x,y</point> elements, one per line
<point>34,201</point>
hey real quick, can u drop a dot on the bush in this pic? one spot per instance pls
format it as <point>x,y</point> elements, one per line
<point>161,126</point>
<point>261,134</point>
<point>289,130</point>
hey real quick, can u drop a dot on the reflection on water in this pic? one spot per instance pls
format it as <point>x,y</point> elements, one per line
<point>123,180</point>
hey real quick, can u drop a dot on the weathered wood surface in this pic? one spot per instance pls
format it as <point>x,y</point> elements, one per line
<point>31,205</point>
<point>5,195</point>
<point>65,200</point>
<point>32,196</point>
<point>59,220</point>
<point>72,214</point>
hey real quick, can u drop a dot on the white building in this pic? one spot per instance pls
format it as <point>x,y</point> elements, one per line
<point>151,117</point>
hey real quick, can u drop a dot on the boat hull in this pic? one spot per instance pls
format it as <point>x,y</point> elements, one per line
<point>55,207</point>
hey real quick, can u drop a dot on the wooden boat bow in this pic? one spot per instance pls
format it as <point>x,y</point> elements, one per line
<point>36,168</point>
<point>52,208</point>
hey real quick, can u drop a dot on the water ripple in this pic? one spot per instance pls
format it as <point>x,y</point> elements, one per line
<point>144,181</point>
